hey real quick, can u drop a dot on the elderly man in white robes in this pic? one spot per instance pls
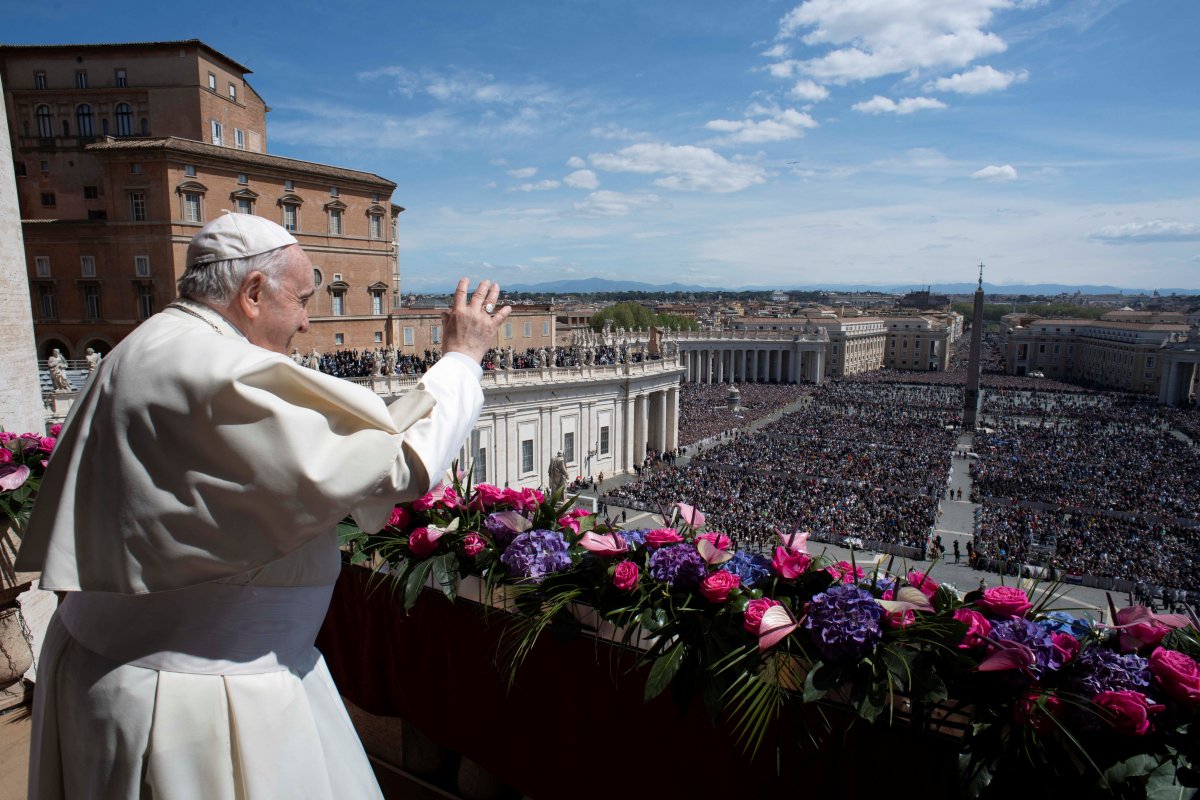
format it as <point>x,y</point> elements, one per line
<point>189,514</point>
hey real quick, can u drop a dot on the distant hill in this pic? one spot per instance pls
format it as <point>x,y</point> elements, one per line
<point>590,285</point>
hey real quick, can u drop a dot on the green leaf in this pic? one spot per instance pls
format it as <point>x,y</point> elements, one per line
<point>445,572</point>
<point>812,692</point>
<point>1162,784</point>
<point>416,580</point>
<point>348,533</point>
<point>663,671</point>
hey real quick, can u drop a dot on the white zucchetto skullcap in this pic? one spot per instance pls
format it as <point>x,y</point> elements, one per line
<point>232,236</point>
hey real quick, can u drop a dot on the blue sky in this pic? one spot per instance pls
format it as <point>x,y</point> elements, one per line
<point>733,144</point>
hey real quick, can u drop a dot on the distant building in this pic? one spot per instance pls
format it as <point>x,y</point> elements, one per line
<point>123,151</point>
<point>920,342</point>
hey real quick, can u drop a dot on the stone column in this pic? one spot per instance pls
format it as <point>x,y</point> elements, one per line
<point>673,418</point>
<point>643,428</point>
<point>720,366</point>
<point>630,432</point>
<point>661,423</point>
<point>754,365</point>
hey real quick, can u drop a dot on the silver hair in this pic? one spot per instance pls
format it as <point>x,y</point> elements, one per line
<point>218,281</point>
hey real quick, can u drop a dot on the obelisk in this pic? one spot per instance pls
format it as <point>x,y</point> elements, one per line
<point>972,399</point>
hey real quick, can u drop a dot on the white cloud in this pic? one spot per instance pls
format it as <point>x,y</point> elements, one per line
<point>463,86</point>
<point>885,105</point>
<point>582,179</point>
<point>523,172</point>
<point>873,38</point>
<point>540,186</point>
<point>977,81</point>
<point>992,172</point>
<point>686,168</point>
<point>612,131</point>
<point>1154,230</point>
<point>781,125</point>
<point>777,50</point>
<point>616,204</point>
<point>808,91</point>
<point>575,162</point>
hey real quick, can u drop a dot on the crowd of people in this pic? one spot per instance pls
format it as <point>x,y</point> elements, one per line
<point>1089,464</point>
<point>704,411</point>
<point>1093,544</point>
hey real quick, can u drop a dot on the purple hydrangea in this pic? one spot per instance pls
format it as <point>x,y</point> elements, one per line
<point>1098,670</point>
<point>636,538</point>
<point>844,621</point>
<point>1035,637</point>
<point>751,568</point>
<point>536,554</point>
<point>680,565</point>
<point>501,533</point>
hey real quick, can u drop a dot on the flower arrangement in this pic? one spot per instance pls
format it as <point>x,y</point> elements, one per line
<point>1046,694</point>
<point>23,459</point>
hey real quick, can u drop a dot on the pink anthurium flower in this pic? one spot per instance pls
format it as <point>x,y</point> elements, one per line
<point>690,515</point>
<point>908,598</point>
<point>13,476</point>
<point>513,520</point>
<point>776,625</point>
<point>712,554</point>
<point>604,544</point>
<point>1141,627</point>
<point>1007,655</point>
<point>794,540</point>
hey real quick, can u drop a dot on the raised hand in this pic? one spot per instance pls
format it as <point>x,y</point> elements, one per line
<point>471,326</point>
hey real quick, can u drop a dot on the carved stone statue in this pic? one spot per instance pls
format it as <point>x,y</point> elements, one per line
<point>93,360</point>
<point>297,356</point>
<point>314,360</point>
<point>58,371</point>
<point>509,358</point>
<point>543,358</point>
<point>558,472</point>
<point>390,359</point>
<point>376,364</point>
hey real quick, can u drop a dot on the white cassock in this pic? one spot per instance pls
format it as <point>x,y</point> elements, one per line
<point>190,511</point>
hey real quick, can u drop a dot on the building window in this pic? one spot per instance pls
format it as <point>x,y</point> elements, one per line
<point>526,456</point>
<point>378,337</point>
<point>339,304</point>
<point>39,80</point>
<point>124,115</point>
<point>242,179</point>
<point>508,330</point>
<point>569,447</point>
<point>45,122</point>
<point>141,266</point>
<point>335,222</point>
<point>212,82</point>
<point>289,185</point>
<point>87,266</point>
<point>47,304</point>
<point>91,301</point>
<point>435,334</point>
<point>333,191</point>
<point>233,92</point>
<point>45,167</point>
<point>145,127</point>
<point>41,265</point>
<point>478,458</point>
<point>145,301</point>
<point>83,120</point>
<point>239,138</point>
<point>20,168</point>
<point>603,440</point>
<point>137,206</point>
<point>245,205</point>
<point>216,132</point>
<point>192,210</point>
<point>528,329</point>
<point>376,302</point>
<point>376,226</point>
<point>135,168</point>
<point>81,81</point>
<point>48,199</point>
<point>91,192</point>
<point>189,170</point>
<point>545,327</point>
<point>408,337</point>
<point>339,338</point>
<point>122,79</point>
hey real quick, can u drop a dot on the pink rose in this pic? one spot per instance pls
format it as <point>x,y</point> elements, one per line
<point>1037,712</point>
<point>717,540</point>
<point>716,586</point>
<point>922,581</point>
<point>486,496</point>
<point>399,518</point>
<point>6,455</point>
<point>55,430</point>
<point>46,444</point>
<point>753,614</point>
<point>1127,711</point>
<point>473,544</point>
<point>1178,674</point>
<point>899,619</point>
<point>449,498</point>
<point>569,523</point>
<point>789,564</point>
<point>1066,645</point>
<point>7,436</point>
<point>625,576</point>
<point>662,536</point>
<point>844,572</point>
<point>1004,601</point>
<point>978,628</point>
<point>579,512</point>
<point>423,542</point>
<point>424,502</point>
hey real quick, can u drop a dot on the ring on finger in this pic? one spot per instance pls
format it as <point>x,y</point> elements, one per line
<point>489,308</point>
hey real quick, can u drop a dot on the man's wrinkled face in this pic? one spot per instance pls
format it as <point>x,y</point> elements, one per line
<point>285,304</point>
